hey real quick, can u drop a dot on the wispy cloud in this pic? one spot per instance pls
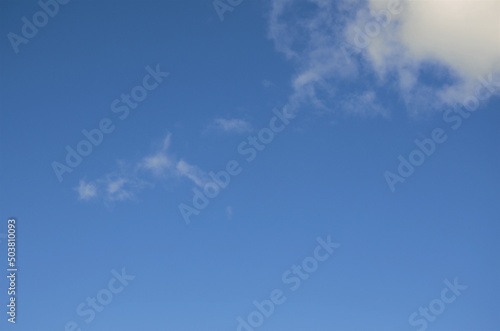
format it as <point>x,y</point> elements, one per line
<point>230,125</point>
<point>193,173</point>
<point>122,187</point>
<point>311,42</point>
<point>117,186</point>
<point>229,212</point>
<point>364,105</point>
<point>164,163</point>
<point>86,190</point>
<point>127,181</point>
<point>159,162</point>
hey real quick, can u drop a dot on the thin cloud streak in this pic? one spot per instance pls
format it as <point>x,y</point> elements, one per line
<point>230,125</point>
<point>126,182</point>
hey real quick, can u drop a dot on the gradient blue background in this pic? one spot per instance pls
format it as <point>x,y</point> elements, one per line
<point>322,176</point>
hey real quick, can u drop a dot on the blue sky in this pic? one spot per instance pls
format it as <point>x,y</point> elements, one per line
<point>349,91</point>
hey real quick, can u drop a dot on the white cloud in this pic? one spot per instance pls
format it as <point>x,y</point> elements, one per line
<point>162,163</point>
<point>463,34</point>
<point>233,125</point>
<point>461,37</point>
<point>121,187</point>
<point>159,162</point>
<point>124,183</point>
<point>310,38</point>
<point>112,187</point>
<point>431,53</point>
<point>116,189</point>
<point>86,190</point>
<point>195,174</point>
<point>166,142</point>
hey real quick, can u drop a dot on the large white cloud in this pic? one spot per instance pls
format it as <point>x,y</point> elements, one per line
<point>462,36</point>
<point>401,43</point>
